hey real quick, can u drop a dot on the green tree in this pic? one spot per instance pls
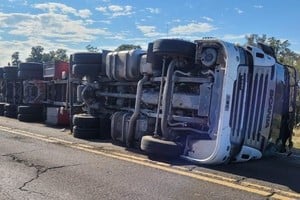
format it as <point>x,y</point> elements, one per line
<point>127,47</point>
<point>36,54</point>
<point>15,58</point>
<point>90,48</point>
<point>61,54</point>
<point>47,57</point>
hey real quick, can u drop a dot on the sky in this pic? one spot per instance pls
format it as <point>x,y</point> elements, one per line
<point>106,24</point>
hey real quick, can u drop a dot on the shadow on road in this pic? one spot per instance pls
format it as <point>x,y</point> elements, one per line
<point>280,170</point>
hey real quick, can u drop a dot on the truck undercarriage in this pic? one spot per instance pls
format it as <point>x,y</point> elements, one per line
<point>209,101</point>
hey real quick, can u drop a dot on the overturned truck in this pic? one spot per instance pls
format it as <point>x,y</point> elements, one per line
<point>35,92</point>
<point>208,101</point>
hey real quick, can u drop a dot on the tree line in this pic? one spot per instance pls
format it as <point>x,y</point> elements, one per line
<point>281,50</point>
<point>38,55</point>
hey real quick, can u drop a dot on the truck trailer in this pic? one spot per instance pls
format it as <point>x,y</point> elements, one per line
<point>35,92</point>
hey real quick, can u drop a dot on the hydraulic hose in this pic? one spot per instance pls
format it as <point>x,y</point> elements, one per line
<point>159,97</point>
<point>133,118</point>
<point>166,99</point>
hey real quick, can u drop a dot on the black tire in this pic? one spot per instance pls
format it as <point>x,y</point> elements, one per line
<point>1,73</point>
<point>86,133</point>
<point>173,47</point>
<point>10,69</point>
<point>10,114</point>
<point>10,108</point>
<point>105,128</point>
<point>86,58</point>
<point>10,76</point>
<point>86,69</point>
<point>155,59</point>
<point>30,118</point>
<point>86,121</point>
<point>30,74</point>
<point>33,109</point>
<point>30,66</point>
<point>2,109</point>
<point>162,148</point>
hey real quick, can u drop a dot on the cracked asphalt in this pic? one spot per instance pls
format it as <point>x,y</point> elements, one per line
<point>33,169</point>
<point>39,170</point>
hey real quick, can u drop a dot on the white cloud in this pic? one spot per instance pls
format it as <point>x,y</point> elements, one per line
<point>239,11</point>
<point>153,10</point>
<point>50,25</point>
<point>192,28</point>
<point>85,13</point>
<point>207,19</point>
<point>102,9</point>
<point>88,21</point>
<point>105,21</point>
<point>62,8</point>
<point>258,6</point>
<point>55,28</point>
<point>24,48</point>
<point>116,10</point>
<point>149,31</point>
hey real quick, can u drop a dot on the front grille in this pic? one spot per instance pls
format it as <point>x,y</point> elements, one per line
<point>258,106</point>
<point>239,109</point>
<point>250,107</point>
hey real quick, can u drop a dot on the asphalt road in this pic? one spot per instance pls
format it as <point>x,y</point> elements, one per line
<point>40,162</point>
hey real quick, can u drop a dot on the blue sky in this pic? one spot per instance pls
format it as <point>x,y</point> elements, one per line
<point>106,24</point>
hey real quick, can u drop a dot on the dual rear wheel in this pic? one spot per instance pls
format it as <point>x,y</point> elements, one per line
<point>86,126</point>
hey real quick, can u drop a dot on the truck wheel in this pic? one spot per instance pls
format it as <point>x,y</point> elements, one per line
<point>29,74</point>
<point>105,128</point>
<point>34,109</point>
<point>173,47</point>
<point>29,118</point>
<point>86,133</point>
<point>86,69</point>
<point>10,114</point>
<point>86,58</point>
<point>86,121</point>
<point>162,148</point>
<point>2,109</point>
<point>10,76</point>
<point>10,69</point>
<point>30,66</point>
<point>1,72</point>
<point>12,108</point>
